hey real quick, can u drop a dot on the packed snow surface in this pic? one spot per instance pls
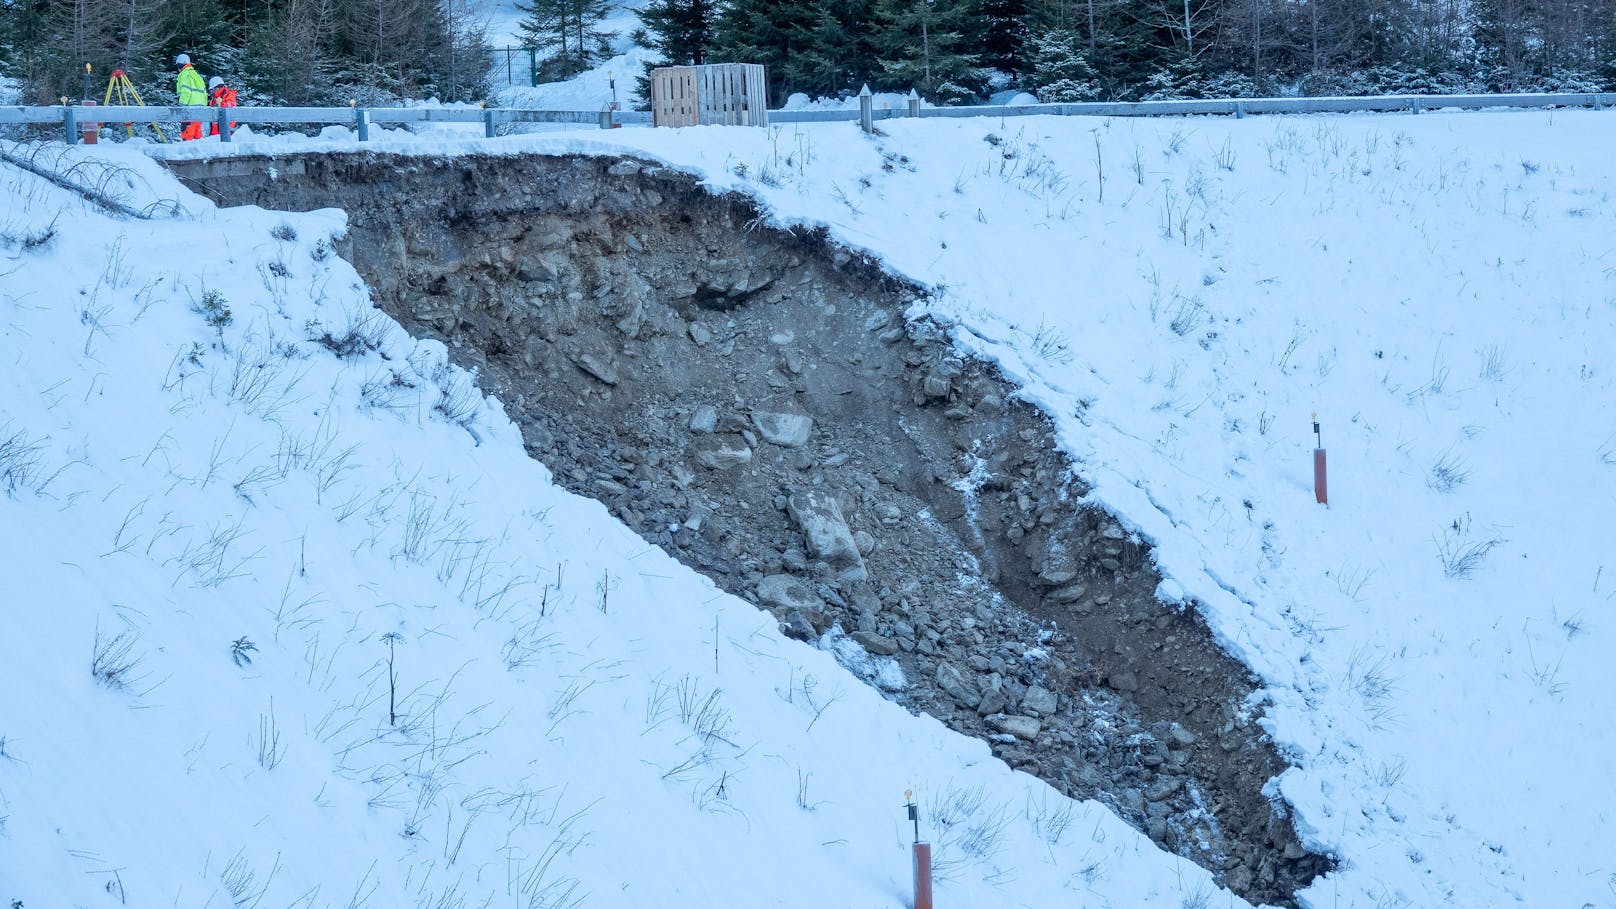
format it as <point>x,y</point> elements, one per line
<point>1181,295</point>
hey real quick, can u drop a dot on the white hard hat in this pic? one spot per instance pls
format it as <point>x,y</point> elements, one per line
<point>182,59</point>
<point>214,83</point>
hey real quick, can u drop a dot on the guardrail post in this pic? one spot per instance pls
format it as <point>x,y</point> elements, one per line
<point>1415,107</point>
<point>362,123</point>
<point>224,124</point>
<point>1240,110</point>
<point>1599,103</point>
<point>866,110</point>
<point>488,124</point>
<point>70,120</point>
<point>914,103</point>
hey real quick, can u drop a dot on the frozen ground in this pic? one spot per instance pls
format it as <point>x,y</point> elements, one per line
<point>1181,295</point>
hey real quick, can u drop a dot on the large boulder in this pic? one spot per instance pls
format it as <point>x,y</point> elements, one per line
<point>1040,701</point>
<point>783,591</point>
<point>788,430</point>
<point>819,516</point>
<point>1022,727</point>
<point>952,682</point>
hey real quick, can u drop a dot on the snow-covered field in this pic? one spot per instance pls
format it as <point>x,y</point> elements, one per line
<point>1181,295</point>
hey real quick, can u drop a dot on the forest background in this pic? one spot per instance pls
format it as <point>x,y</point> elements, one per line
<point>951,51</point>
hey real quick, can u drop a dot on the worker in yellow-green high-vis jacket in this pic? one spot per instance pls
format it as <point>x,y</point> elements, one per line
<point>191,90</point>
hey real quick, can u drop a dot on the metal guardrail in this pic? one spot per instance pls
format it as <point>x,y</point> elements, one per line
<point>1238,107</point>
<point>74,117</point>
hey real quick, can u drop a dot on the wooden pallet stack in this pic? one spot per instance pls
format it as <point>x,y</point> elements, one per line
<point>714,94</point>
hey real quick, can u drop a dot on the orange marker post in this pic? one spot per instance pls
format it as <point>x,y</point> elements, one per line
<point>1321,485</point>
<point>923,876</point>
<point>922,867</point>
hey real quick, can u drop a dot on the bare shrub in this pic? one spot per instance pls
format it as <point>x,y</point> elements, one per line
<point>364,333</point>
<point>459,400</point>
<point>1447,474</point>
<point>270,749</point>
<point>113,660</point>
<point>1460,555</point>
<point>22,461</point>
<point>1049,343</point>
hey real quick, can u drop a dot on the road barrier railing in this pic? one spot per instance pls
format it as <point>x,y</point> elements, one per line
<point>74,118</point>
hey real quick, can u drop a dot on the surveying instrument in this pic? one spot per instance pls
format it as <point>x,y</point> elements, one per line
<point>120,88</point>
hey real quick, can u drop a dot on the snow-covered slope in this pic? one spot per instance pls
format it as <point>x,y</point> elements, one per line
<point>1181,295</point>
<point>292,620</point>
<point>1441,290</point>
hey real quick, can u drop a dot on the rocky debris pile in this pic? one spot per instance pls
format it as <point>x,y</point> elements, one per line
<point>753,401</point>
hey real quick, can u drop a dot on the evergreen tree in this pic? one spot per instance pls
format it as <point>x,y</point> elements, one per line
<point>1059,71</point>
<point>1004,39</point>
<point>567,34</point>
<point>836,56</point>
<point>682,32</point>
<point>925,45</point>
<point>770,32</point>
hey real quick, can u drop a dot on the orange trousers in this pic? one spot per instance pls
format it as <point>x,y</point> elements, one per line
<point>191,131</point>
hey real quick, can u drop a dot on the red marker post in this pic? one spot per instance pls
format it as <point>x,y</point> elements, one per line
<point>1321,486</point>
<point>922,856</point>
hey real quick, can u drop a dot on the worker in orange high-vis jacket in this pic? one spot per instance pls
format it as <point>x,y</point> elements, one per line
<point>220,95</point>
<point>188,86</point>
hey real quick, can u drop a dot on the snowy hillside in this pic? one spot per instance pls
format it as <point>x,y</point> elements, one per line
<point>1441,290</point>
<point>294,621</point>
<point>1180,295</point>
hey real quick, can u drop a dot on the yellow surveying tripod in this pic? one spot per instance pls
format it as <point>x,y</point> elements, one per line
<point>120,88</point>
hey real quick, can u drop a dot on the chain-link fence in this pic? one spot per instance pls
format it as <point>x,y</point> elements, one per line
<point>513,66</point>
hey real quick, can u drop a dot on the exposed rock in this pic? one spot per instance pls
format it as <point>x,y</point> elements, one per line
<point>1039,701</point>
<point>1124,681</point>
<point>721,452</point>
<point>994,700</point>
<point>788,430</point>
<point>705,419</point>
<point>700,334</point>
<point>1068,594</point>
<point>1022,727</point>
<point>819,516</point>
<point>1055,577</point>
<point>786,592</point>
<point>1164,788</point>
<point>954,684</point>
<point>597,366</point>
<point>879,645</point>
<point>1180,737</point>
<point>796,625</point>
<point>864,541</point>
